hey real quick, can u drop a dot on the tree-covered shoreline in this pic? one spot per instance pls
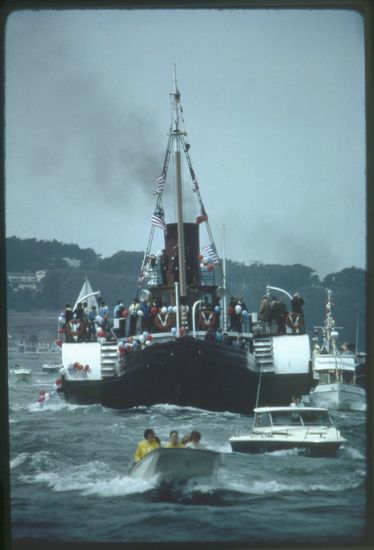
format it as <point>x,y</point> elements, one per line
<point>117,277</point>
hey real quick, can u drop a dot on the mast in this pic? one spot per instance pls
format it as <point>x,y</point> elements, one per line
<point>330,327</point>
<point>224,299</point>
<point>329,321</point>
<point>178,146</point>
<point>176,132</point>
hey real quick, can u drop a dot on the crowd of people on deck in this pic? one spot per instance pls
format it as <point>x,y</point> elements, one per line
<point>86,324</point>
<point>275,316</point>
<point>162,268</point>
<point>152,442</point>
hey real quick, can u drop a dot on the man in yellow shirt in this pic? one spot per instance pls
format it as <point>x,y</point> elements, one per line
<point>149,443</point>
<point>174,441</point>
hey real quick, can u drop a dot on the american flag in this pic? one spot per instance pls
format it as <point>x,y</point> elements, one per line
<point>158,220</point>
<point>208,249</point>
<point>160,184</point>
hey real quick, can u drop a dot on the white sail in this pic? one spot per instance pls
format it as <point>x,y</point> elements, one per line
<point>86,294</point>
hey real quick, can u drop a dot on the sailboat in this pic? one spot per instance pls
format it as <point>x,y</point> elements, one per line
<point>335,370</point>
<point>87,295</point>
<point>183,347</point>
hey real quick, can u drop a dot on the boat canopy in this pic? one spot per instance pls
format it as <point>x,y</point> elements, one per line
<point>334,361</point>
<point>292,416</point>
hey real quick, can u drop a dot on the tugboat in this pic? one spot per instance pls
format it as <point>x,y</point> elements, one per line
<point>188,343</point>
<point>335,370</point>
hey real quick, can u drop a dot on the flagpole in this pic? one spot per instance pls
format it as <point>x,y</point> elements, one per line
<point>224,279</point>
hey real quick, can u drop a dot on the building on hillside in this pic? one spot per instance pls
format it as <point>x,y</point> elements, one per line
<point>72,262</point>
<point>23,281</point>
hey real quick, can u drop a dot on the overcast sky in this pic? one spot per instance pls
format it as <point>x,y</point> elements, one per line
<point>274,107</point>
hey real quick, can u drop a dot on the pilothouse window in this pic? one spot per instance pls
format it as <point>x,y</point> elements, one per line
<point>347,377</point>
<point>262,420</point>
<point>286,418</point>
<point>319,418</point>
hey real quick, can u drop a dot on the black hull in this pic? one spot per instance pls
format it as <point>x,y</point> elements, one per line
<point>189,372</point>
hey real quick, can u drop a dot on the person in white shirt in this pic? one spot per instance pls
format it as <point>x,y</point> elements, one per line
<point>194,442</point>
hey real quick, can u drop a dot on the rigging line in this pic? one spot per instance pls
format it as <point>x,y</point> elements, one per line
<point>146,254</point>
<point>201,204</point>
<point>158,206</point>
<point>258,387</point>
<point>168,152</point>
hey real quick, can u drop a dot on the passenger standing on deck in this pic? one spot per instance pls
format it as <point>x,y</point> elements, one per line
<point>133,312</point>
<point>274,313</point>
<point>264,314</point>
<point>282,317</point>
<point>68,316</point>
<point>152,314</point>
<point>235,310</point>
<point>148,444</point>
<point>103,309</point>
<point>118,313</point>
<point>297,303</point>
<point>106,327</point>
<point>68,313</point>
<point>91,327</point>
<point>146,318</point>
<point>79,311</point>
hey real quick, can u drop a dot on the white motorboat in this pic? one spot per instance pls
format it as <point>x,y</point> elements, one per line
<point>333,392</point>
<point>309,429</point>
<point>334,369</point>
<point>176,465</point>
<point>20,373</point>
<point>51,367</point>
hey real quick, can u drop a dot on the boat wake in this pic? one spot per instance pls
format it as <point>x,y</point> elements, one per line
<point>166,409</point>
<point>97,478</point>
<point>276,487</point>
<point>53,404</point>
<point>354,453</point>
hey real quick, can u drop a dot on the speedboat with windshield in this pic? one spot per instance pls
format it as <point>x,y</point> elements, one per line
<point>308,429</point>
<point>176,465</point>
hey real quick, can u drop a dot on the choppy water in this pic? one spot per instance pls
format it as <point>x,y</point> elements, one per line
<point>69,478</point>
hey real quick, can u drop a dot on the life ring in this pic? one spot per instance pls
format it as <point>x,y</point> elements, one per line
<point>78,368</point>
<point>72,330</point>
<point>207,320</point>
<point>164,321</point>
<point>295,322</point>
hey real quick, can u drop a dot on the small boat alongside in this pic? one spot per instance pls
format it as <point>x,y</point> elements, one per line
<point>176,465</point>
<point>335,370</point>
<point>308,429</point>
<point>51,368</point>
<point>21,373</point>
